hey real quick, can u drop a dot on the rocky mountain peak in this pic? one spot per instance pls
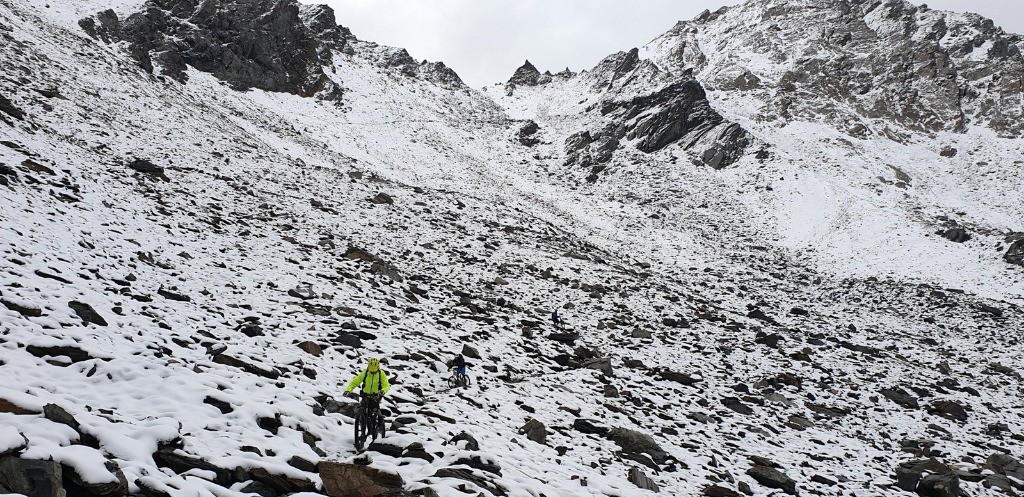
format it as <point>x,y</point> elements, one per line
<point>869,67</point>
<point>264,44</point>
<point>526,75</point>
<point>321,23</point>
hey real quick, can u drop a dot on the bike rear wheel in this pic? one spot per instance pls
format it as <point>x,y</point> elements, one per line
<point>466,381</point>
<point>380,428</point>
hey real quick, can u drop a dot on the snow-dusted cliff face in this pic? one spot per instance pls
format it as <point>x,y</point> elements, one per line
<point>212,213</point>
<point>869,67</point>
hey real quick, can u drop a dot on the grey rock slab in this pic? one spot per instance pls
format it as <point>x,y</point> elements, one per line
<point>773,478</point>
<point>32,478</point>
<point>637,442</point>
<point>637,477</point>
<point>939,486</point>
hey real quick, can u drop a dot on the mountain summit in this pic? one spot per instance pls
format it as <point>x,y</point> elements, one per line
<point>868,67</point>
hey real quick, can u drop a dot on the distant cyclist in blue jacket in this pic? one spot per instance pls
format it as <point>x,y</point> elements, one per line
<point>458,364</point>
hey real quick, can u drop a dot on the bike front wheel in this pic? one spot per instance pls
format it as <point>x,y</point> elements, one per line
<point>453,381</point>
<point>361,430</point>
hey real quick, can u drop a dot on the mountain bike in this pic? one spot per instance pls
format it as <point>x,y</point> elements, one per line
<point>369,422</point>
<point>458,379</point>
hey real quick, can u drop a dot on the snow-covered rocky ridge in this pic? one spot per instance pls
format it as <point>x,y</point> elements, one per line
<point>163,304</point>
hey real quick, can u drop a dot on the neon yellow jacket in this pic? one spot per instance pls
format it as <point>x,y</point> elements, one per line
<point>374,382</point>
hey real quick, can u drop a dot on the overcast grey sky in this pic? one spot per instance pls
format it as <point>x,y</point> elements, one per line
<point>486,40</point>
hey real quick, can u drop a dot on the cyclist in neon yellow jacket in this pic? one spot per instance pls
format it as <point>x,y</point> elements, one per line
<point>372,380</point>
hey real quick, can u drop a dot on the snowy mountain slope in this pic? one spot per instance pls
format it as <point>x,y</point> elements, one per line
<point>701,326</point>
<point>856,203</point>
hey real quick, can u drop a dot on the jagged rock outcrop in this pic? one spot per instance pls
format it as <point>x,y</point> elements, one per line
<point>869,67</point>
<point>681,113</point>
<point>1015,253</point>
<point>527,75</point>
<point>264,44</point>
<point>652,108</point>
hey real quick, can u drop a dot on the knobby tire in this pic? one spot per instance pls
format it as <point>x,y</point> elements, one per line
<point>360,428</point>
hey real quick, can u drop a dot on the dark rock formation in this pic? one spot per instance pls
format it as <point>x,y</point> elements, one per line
<point>180,462</point>
<point>638,478</point>
<point>773,478</point>
<point>895,63</point>
<point>587,426</point>
<point>75,353</point>
<point>901,397</point>
<point>352,480</point>
<point>441,74</point>
<point>145,166</point>
<point>280,483</point>
<point>114,486</point>
<point>958,235</point>
<point>7,107</point>
<point>1015,254</point>
<point>87,313</point>
<point>535,431</point>
<point>471,442</point>
<point>948,409</point>
<point>29,312</point>
<point>680,113</point>
<point>31,477</point>
<point>720,491</point>
<point>262,44</point>
<point>527,134</point>
<point>526,75</point>
<point>575,142</point>
<point>939,486</point>
<point>634,442</point>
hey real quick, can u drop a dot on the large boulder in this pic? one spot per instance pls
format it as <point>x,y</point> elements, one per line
<point>937,485</point>
<point>634,442</point>
<point>471,442</point>
<point>146,167</point>
<point>24,308</point>
<point>86,313</point>
<point>535,431</point>
<point>637,477</point>
<point>772,478</point>
<point>113,484</point>
<point>352,480</point>
<point>31,478</point>
<point>1005,464</point>
<point>589,427</point>
<point>527,134</point>
<point>1015,254</point>
<point>957,234</point>
<point>948,409</point>
<point>180,462</point>
<point>720,491</point>
<point>281,483</point>
<point>901,397</point>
